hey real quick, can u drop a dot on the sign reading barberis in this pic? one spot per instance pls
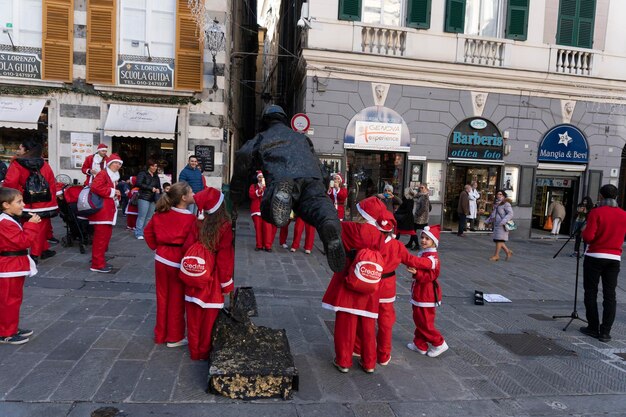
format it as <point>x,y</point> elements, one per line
<point>145,74</point>
<point>20,65</point>
<point>476,138</point>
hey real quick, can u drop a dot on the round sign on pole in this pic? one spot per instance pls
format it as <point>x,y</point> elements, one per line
<point>300,122</point>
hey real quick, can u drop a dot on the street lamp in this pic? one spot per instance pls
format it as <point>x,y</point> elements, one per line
<point>215,42</point>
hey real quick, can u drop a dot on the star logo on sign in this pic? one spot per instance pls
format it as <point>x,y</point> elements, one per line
<point>564,139</point>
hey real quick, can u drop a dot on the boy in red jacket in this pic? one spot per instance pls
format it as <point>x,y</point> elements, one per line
<point>426,296</point>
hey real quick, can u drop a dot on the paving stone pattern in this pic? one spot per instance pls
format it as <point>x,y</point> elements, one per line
<point>93,345</point>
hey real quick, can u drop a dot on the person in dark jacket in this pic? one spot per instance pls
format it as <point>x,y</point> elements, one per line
<point>463,210</point>
<point>295,181</point>
<point>192,175</point>
<point>149,190</point>
<point>404,217</point>
<point>3,171</point>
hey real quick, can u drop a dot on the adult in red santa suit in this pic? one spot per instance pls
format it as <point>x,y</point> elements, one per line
<point>29,159</point>
<point>338,193</point>
<point>264,231</point>
<point>95,163</point>
<point>104,185</point>
<point>356,309</point>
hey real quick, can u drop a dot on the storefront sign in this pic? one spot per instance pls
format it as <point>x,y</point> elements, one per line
<point>554,182</point>
<point>145,74</point>
<point>377,128</point>
<point>564,144</point>
<point>17,65</point>
<point>476,139</point>
<point>81,146</point>
<point>206,157</point>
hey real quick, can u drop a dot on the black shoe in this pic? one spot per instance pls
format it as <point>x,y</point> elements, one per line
<point>47,254</point>
<point>333,247</point>
<point>16,339</point>
<point>588,331</point>
<point>281,203</point>
<point>53,240</point>
<point>24,332</point>
<point>604,337</point>
<point>268,249</point>
<point>257,249</point>
<point>104,270</point>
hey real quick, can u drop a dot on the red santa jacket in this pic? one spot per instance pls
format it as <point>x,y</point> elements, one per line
<point>166,233</point>
<point>132,209</point>
<point>425,291</point>
<point>339,197</point>
<point>104,186</point>
<point>13,238</point>
<point>338,296</point>
<point>395,253</point>
<point>87,165</point>
<point>16,178</point>
<point>208,275</point>
<point>256,195</point>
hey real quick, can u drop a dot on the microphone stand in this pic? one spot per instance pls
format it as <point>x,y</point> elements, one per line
<point>574,314</point>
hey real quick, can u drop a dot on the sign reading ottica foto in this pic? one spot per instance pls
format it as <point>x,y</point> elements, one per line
<point>145,74</point>
<point>18,65</point>
<point>564,144</point>
<point>476,138</point>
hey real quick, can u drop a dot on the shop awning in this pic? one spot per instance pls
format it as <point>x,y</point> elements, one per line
<point>476,161</point>
<point>141,122</point>
<point>562,167</point>
<point>20,112</point>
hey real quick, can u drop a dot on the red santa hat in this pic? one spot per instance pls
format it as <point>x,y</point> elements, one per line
<point>371,209</point>
<point>338,176</point>
<point>209,200</point>
<point>114,158</point>
<point>259,174</point>
<point>102,146</point>
<point>433,232</point>
<point>386,222</point>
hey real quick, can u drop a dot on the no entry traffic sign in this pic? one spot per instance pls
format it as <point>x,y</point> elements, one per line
<point>300,122</point>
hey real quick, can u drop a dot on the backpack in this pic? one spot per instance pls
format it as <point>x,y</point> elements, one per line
<point>88,203</point>
<point>196,267</point>
<point>36,189</point>
<point>365,272</point>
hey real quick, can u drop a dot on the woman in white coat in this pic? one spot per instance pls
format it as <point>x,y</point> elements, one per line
<point>474,196</point>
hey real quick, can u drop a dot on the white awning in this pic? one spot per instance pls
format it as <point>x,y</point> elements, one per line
<point>141,121</point>
<point>561,167</point>
<point>20,112</point>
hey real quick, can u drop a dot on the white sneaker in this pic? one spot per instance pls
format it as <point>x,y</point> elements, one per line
<point>292,250</point>
<point>414,348</point>
<point>435,351</point>
<point>385,363</point>
<point>139,237</point>
<point>340,368</point>
<point>308,252</point>
<point>284,245</point>
<point>182,342</point>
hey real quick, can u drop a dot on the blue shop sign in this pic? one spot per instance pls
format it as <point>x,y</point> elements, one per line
<point>476,139</point>
<point>564,144</point>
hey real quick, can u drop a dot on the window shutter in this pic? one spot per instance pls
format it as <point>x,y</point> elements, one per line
<point>586,17</point>
<point>418,14</point>
<point>567,23</point>
<point>350,10</point>
<point>101,40</point>
<point>57,39</point>
<point>455,16</point>
<point>188,71</point>
<point>517,20</point>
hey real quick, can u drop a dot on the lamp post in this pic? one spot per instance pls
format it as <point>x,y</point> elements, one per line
<point>215,42</point>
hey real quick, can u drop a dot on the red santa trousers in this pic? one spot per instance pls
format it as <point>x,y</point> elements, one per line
<point>284,232</point>
<point>425,331</point>
<point>386,320</point>
<point>170,294</point>
<point>131,221</point>
<point>264,231</point>
<point>11,293</point>
<point>346,325</point>
<point>309,238</point>
<point>40,244</point>
<point>199,330</point>
<point>101,238</point>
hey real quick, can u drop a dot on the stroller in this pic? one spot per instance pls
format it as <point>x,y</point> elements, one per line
<point>76,228</point>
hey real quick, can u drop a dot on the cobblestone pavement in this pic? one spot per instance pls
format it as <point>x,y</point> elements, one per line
<point>93,346</point>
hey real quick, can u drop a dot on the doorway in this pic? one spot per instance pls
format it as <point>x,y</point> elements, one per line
<point>548,189</point>
<point>135,152</point>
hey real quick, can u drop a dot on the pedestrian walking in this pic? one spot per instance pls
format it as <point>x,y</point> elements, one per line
<point>264,230</point>
<point>95,163</point>
<point>582,211</point>
<point>15,264</point>
<point>132,209</point>
<point>166,234</point>
<point>502,212</point>
<point>149,190</point>
<point>556,211</point>
<point>463,210</point>
<point>207,271</point>
<point>309,236</point>
<point>404,216</point>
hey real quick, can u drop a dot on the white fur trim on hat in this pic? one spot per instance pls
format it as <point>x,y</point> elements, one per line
<point>366,216</point>
<point>110,161</point>
<point>217,205</point>
<point>428,233</point>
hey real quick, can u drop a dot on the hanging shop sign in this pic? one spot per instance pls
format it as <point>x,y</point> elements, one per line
<point>19,65</point>
<point>377,128</point>
<point>476,139</point>
<point>564,144</point>
<point>554,182</point>
<point>145,74</point>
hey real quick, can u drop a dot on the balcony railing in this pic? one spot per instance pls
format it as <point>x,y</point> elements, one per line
<point>487,52</point>
<point>574,61</point>
<point>383,41</point>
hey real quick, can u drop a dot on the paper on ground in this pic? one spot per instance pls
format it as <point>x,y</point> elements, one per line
<point>495,298</point>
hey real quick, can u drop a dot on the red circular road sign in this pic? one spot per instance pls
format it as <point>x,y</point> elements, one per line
<point>300,122</point>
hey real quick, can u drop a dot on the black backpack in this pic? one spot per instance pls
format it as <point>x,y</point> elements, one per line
<point>36,189</point>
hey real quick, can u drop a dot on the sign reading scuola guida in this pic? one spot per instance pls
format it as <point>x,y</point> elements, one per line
<point>476,138</point>
<point>145,74</point>
<point>20,65</point>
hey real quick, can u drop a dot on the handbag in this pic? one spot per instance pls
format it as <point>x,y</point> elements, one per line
<point>88,202</point>
<point>510,225</point>
<point>548,224</point>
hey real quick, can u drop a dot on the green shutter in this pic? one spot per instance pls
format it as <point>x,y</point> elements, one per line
<point>350,10</point>
<point>576,23</point>
<point>418,14</point>
<point>517,20</point>
<point>455,16</point>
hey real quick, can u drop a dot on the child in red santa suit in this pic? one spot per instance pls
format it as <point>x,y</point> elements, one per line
<point>166,233</point>
<point>356,309</point>
<point>426,296</point>
<point>338,193</point>
<point>207,271</point>
<point>132,211</point>
<point>265,231</point>
<point>309,236</point>
<point>104,185</point>
<point>15,264</point>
